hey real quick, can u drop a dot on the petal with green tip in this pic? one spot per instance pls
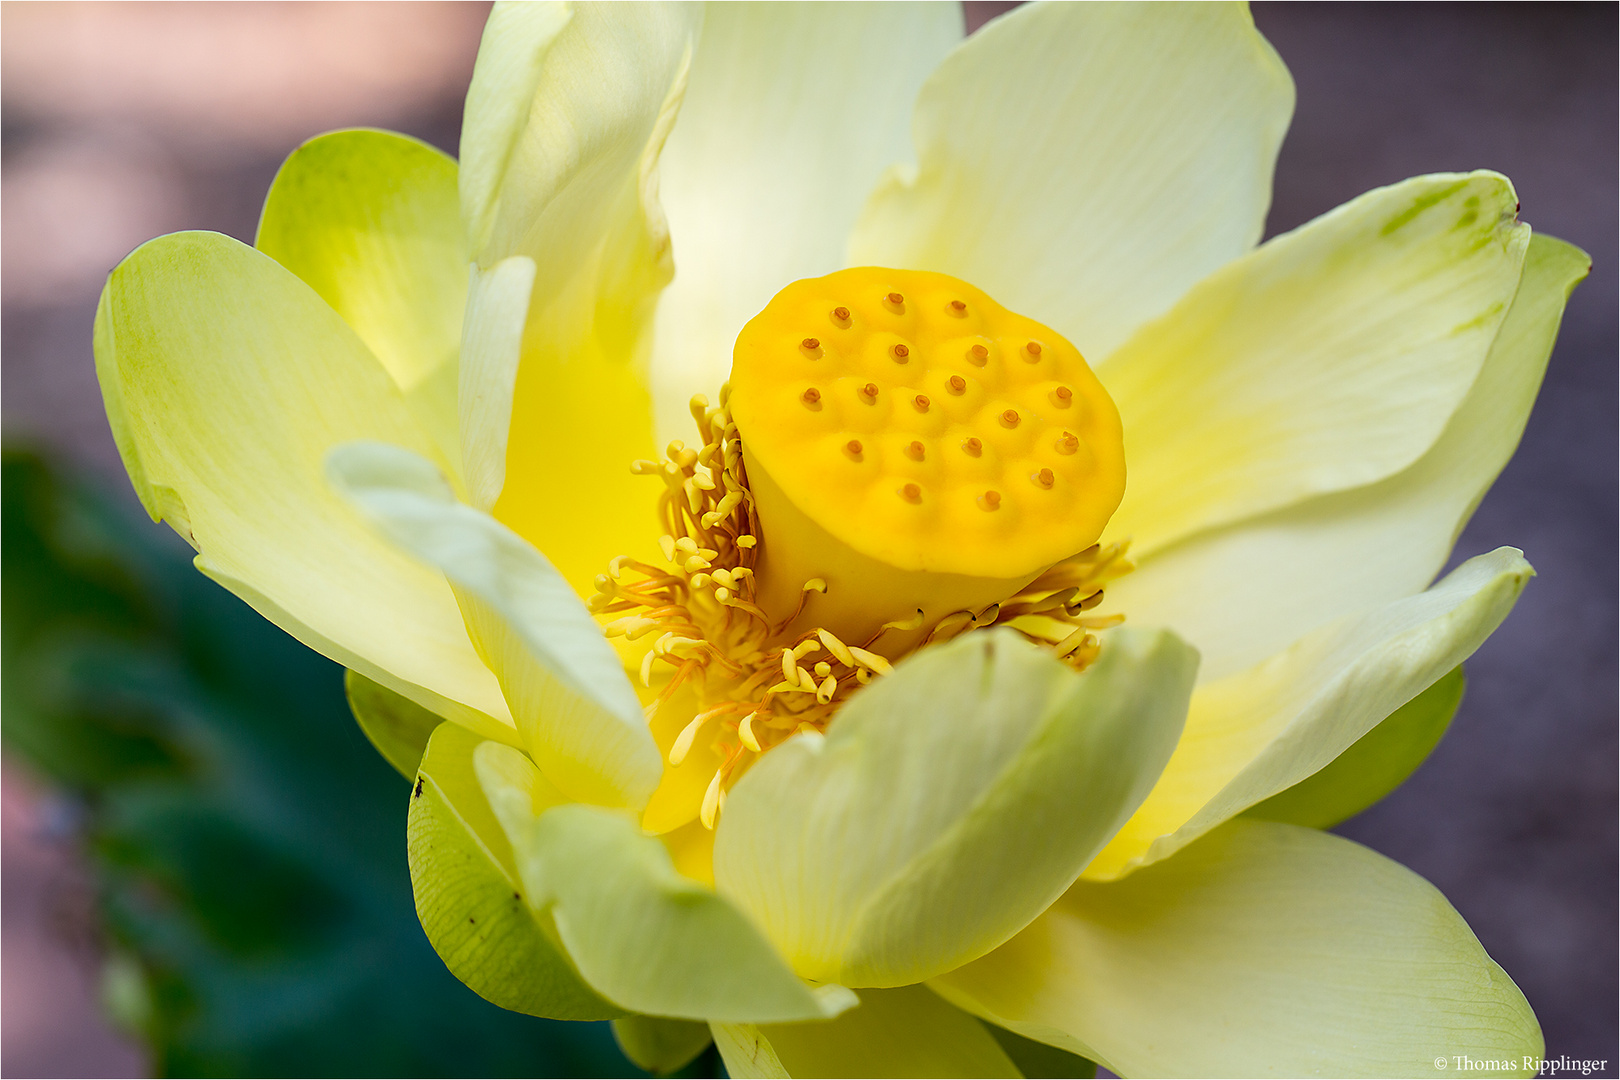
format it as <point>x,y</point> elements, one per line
<point>950,803</point>
<point>469,894</point>
<point>371,221</point>
<point>903,1032</point>
<point>570,697</point>
<point>645,936</point>
<point>1261,950</point>
<point>658,1045</point>
<point>1330,358</point>
<point>1242,593</point>
<point>226,380</point>
<point>1265,729</point>
<point>1375,765</point>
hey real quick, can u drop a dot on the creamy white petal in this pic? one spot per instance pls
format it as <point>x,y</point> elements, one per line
<point>792,112</point>
<point>1262,950</point>
<point>1086,163</point>
<point>1264,729</point>
<point>1243,593</point>
<point>1328,359</point>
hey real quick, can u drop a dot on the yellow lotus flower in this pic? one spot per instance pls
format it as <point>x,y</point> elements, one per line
<point>820,736</point>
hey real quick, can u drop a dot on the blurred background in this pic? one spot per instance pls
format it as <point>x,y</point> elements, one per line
<point>204,867</point>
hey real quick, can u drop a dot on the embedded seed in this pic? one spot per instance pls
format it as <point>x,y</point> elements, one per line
<point>990,500</point>
<point>958,384</point>
<point>812,396</point>
<point>911,493</point>
<point>921,401</point>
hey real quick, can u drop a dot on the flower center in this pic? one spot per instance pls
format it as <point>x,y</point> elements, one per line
<point>896,460</point>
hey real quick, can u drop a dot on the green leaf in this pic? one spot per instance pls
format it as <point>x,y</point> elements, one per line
<point>470,899</point>
<point>1375,765</point>
<point>661,1046</point>
<point>397,726</point>
<point>243,836</point>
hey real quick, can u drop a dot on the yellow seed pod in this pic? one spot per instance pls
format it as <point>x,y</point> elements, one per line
<point>925,426</point>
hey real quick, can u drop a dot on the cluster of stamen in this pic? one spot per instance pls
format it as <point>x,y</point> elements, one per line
<point>756,686</point>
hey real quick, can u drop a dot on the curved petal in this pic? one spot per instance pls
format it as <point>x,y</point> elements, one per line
<point>903,1032</point>
<point>661,1046</point>
<point>791,113</point>
<point>950,804</point>
<point>469,895</point>
<point>1262,950</point>
<point>397,727</point>
<point>370,221</point>
<point>226,381</point>
<point>491,352</point>
<point>1330,358</point>
<point>1258,732</point>
<point>1374,765</point>
<point>1086,163</point>
<point>643,935</point>
<point>1243,593</point>
<point>569,694</point>
<point>566,114</point>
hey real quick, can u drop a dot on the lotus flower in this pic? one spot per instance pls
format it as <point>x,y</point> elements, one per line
<point>818,733</point>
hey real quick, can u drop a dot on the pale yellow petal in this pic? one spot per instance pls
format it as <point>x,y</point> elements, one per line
<point>1086,163</point>
<point>1262,730</point>
<point>497,308</point>
<point>908,1031</point>
<point>1243,593</point>
<point>1328,359</point>
<point>227,380</point>
<point>1262,950</point>
<point>791,113</point>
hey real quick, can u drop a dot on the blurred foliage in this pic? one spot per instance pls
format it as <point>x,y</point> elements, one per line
<point>247,842</point>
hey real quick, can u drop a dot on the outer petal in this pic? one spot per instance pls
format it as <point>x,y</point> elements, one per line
<point>226,380</point>
<point>950,804</point>
<point>1263,950</point>
<point>370,221</point>
<point>1375,765</point>
<point>573,704</point>
<point>661,1046</point>
<point>1330,358</point>
<point>469,894</point>
<point>1263,730</point>
<point>791,113</point>
<point>644,935</point>
<point>396,726</point>
<point>1086,163</point>
<point>566,113</point>
<point>904,1032</point>
<point>1243,593</point>
<point>497,307</point>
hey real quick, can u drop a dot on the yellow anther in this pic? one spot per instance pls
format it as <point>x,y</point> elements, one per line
<point>646,667</point>
<point>683,742</point>
<point>666,544</point>
<point>806,648</point>
<point>700,581</point>
<point>745,733</point>
<point>711,801</point>
<point>916,452</point>
<point>699,408</point>
<point>836,647</point>
<point>823,669</point>
<point>990,500</point>
<point>815,585</point>
<point>694,564</point>
<point>643,467</point>
<point>825,692</point>
<point>746,541</point>
<point>871,661</point>
<point>906,624</point>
